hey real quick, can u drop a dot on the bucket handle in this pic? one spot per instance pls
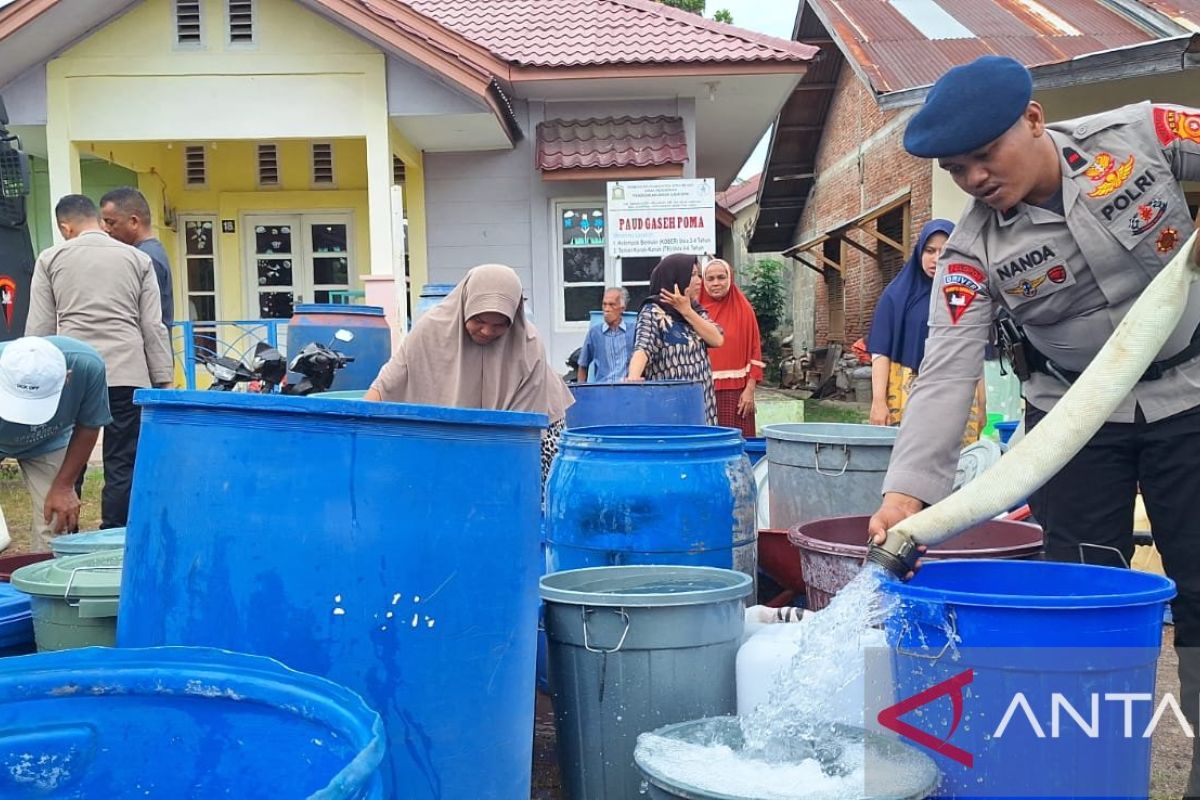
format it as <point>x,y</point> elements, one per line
<point>587,612</point>
<point>71,581</point>
<point>951,635</point>
<point>1083,557</point>
<point>817,460</point>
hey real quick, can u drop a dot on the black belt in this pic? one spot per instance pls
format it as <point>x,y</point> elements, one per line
<point>1156,370</point>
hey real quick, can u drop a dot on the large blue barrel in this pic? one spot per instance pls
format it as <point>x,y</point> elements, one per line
<point>431,295</point>
<point>637,403</point>
<point>651,494</point>
<point>371,347</point>
<point>181,722</point>
<point>391,548</point>
<point>1000,646</point>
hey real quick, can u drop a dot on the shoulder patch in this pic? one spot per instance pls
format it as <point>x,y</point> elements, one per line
<point>1173,124</point>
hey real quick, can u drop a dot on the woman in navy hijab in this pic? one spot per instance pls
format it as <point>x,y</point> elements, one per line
<point>901,325</point>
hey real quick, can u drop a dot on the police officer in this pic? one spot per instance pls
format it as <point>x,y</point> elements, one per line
<point>1069,222</point>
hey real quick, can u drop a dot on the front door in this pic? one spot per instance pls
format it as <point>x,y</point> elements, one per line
<point>295,258</point>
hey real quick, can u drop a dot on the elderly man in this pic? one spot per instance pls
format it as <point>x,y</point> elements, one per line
<point>125,214</point>
<point>104,293</point>
<point>53,402</point>
<point>608,345</point>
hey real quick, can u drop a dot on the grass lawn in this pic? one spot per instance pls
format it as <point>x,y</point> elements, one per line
<point>18,511</point>
<point>829,411</point>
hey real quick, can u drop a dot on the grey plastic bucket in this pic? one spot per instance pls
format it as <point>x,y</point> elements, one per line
<point>632,649</point>
<point>825,469</point>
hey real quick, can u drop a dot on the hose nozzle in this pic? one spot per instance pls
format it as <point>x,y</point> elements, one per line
<point>898,554</point>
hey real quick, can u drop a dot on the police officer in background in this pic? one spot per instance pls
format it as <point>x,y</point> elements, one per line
<point>1069,222</point>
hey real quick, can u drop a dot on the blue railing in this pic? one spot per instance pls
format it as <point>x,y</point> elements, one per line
<point>194,341</point>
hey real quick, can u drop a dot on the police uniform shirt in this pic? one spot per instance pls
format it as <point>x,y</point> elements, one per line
<point>1068,273</point>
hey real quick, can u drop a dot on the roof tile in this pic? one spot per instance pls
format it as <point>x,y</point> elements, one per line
<point>572,33</point>
<point>610,142</point>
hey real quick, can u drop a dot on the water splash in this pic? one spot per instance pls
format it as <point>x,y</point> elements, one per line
<point>792,746</point>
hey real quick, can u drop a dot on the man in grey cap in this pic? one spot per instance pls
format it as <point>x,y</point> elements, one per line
<point>1070,221</point>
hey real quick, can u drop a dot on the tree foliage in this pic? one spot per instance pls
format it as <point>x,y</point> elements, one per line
<point>697,7</point>
<point>764,288</point>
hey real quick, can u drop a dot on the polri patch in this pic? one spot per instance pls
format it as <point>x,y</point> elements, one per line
<point>1147,216</point>
<point>1108,173</point>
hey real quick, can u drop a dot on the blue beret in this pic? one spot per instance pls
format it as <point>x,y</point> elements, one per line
<point>969,106</point>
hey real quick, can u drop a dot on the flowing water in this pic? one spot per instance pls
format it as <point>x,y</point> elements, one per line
<point>789,747</point>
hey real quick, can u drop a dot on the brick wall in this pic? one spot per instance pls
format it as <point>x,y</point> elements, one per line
<point>861,163</point>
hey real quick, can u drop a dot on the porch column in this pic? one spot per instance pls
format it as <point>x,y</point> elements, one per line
<point>62,156</point>
<point>385,283</point>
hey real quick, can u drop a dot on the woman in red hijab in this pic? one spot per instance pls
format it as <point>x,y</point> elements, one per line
<point>737,366</point>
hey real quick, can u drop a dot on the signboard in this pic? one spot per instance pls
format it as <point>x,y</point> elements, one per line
<point>657,218</point>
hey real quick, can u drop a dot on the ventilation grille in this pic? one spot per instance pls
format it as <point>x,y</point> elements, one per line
<point>187,22</point>
<point>195,165</point>
<point>268,165</point>
<point>322,163</point>
<point>241,21</point>
<point>397,170</point>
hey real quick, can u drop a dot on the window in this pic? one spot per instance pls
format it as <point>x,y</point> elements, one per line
<point>635,277</point>
<point>240,15</point>
<point>891,225</point>
<point>195,166</point>
<point>397,170</point>
<point>189,30</point>
<point>322,164</point>
<point>582,262</point>
<point>268,165</point>
<point>200,277</point>
<point>835,290</point>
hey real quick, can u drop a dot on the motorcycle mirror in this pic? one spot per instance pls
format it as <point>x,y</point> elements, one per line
<point>343,335</point>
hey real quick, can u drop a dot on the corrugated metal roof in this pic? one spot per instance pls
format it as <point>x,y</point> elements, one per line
<point>1183,12</point>
<point>895,55</point>
<point>610,142</point>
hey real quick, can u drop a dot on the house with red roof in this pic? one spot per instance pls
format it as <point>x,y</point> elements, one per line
<point>321,150</point>
<point>841,197</point>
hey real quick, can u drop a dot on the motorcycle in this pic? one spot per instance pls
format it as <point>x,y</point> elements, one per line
<point>265,368</point>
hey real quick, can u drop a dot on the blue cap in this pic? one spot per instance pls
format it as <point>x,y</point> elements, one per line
<point>969,106</point>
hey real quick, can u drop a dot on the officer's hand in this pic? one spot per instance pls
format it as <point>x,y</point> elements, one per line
<point>61,510</point>
<point>895,507</point>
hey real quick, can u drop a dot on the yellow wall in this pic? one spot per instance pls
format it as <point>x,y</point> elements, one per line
<point>129,95</point>
<point>232,191</point>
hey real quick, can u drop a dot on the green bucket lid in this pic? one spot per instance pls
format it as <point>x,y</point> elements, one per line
<point>73,544</point>
<point>89,575</point>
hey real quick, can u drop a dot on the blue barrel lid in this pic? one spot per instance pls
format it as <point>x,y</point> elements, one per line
<point>16,618</point>
<point>644,585</point>
<point>316,405</point>
<point>72,544</point>
<point>650,438</point>
<point>337,308</point>
<point>999,583</point>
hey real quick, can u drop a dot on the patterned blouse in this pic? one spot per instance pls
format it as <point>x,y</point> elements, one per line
<point>675,352</point>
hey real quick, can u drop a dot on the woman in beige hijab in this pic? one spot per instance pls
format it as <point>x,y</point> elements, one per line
<point>475,349</point>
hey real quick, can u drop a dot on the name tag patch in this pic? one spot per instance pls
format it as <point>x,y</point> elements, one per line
<point>1045,283</point>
